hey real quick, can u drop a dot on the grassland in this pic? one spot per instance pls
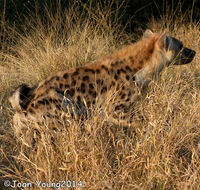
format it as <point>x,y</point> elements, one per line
<point>163,152</point>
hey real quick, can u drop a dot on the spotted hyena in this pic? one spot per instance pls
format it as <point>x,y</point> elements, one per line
<point>119,77</point>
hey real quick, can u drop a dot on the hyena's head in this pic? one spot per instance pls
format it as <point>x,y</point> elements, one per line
<point>158,51</point>
<point>181,55</point>
<point>174,50</point>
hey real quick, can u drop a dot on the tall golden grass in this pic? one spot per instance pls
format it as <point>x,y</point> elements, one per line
<point>163,152</point>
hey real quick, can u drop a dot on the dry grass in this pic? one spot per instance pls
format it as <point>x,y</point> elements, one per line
<point>163,152</point>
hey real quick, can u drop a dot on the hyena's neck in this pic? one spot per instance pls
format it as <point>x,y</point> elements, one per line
<point>145,59</point>
<point>140,54</point>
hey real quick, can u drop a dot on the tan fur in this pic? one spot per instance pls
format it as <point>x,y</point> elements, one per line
<point>119,76</point>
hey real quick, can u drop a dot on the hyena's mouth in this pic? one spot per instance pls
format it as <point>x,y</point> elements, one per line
<point>186,56</point>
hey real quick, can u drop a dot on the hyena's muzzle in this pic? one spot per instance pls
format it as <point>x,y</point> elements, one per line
<point>186,56</point>
<point>182,55</point>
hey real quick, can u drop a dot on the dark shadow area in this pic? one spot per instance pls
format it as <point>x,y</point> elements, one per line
<point>136,11</point>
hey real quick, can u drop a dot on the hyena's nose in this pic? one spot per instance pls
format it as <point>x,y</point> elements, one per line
<point>189,53</point>
<point>187,56</point>
<point>193,53</point>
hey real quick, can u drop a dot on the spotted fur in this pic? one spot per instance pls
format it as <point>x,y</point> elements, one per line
<point>120,76</point>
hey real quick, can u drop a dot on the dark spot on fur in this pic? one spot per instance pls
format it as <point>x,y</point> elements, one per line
<point>65,76</point>
<point>61,86</point>
<point>123,117</point>
<point>52,78</point>
<point>100,82</point>
<point>128,69</point>
<point>31,111</point>
<point>91,86</point>
<point>43,102</point>
<point>123,71</point>
<point>129,94</point>
<point>123,96</point>
<point>97,71</point>
<point>78,98</point>
<point>127,100</point>
<point>58,106</point>
<point>118,71</point>
<point>126,110</point>
<point>85,78</point>
<point>46,101</point>
<point>60,92</point>
<point>60,100</point>
<point>151,50</point>
<point>75,73</point>
<point>57,78</point>
<point>104,67</point>
<point>140,64</point>
<point>116,77</point>
<point>52,139</point>
<point>93,102</point>
<point>73,82</point>
<point>112,64</point>
<point>113,83</point>
<point>111,70</point>
<point>83,90</point>
<point>119,107</point>
<point>103,90</point>
<point>117,62</point>
<point>70,92</point>
<point>123,87</point>
<point>121,62</point>
<point>133,78</point>
<point>82,85</point>
<point>90,70</point>
<point>131,59</point>
<point>122,106</point>
<point>94,94</point>
<point>54,101</point>
<point>66,85</point>
<point>127,77</point>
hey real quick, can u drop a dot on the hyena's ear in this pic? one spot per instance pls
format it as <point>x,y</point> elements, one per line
<point>162,40</point>
<point>147,33</point>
